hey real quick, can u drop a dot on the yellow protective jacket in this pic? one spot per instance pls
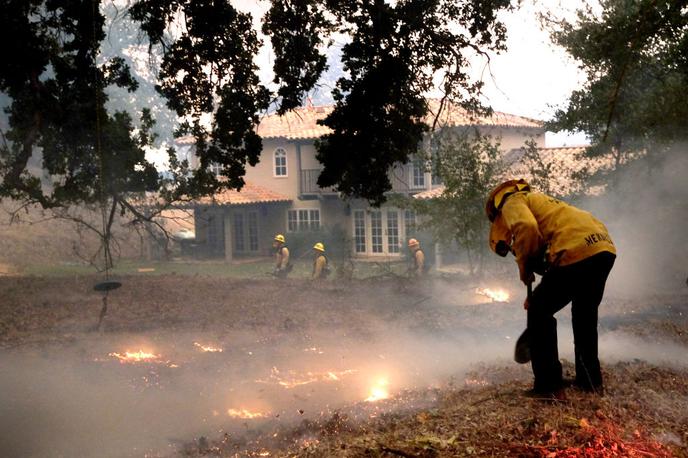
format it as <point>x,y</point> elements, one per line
<point>282,257</point>
<point>319,266</point>
<point>538,221</point>
<point>418,263</point>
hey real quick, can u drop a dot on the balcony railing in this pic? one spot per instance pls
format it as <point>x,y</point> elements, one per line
<point>401,178</point>
<point>309,183</point>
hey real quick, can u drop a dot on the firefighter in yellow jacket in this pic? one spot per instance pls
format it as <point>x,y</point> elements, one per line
<point>417,267</point>
<point>579,254</point>
<point>282,266</point>
<point>320,262</point>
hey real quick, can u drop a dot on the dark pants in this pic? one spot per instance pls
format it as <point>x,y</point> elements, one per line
<point>581,283</point>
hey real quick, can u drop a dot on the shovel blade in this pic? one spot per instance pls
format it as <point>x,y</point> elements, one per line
<point>522,350</point>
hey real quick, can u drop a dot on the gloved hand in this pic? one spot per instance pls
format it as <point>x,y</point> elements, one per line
<point>527,276</point>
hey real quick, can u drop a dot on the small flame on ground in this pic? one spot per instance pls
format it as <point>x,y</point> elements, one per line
<point>208,348</point>
<point>245,413</point>
<point>378,391</point>
<point>497,295</point>
<point>292,379</point>
<point>134,356</point>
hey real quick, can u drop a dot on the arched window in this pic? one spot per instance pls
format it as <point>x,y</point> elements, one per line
<point>280,163</point>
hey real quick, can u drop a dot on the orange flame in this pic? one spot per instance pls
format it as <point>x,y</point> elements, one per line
<point>134,357</point>
<point>292,379</point>
<point>497,295</point>
<point>246,414</point>
<point>378,391</point>
<point>208,348</point>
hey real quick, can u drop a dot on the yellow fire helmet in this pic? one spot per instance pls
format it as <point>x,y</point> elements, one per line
<point>500,237</point>
<point>279,238</point>
<point>412,243</point>
<point>319,246</point>
<point>496,198</point>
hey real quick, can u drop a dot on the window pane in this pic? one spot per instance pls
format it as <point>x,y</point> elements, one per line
<point>280,162</point>
<point>253,231</point>
<point>315,220</point>
<point>239,232</point>
<point>303,220</point>
<point>376,231</point>
<point>292,220</point>
<point>359,231</point>
<point>418,174</point>
<point>392,232</point>
<point>410,222</point>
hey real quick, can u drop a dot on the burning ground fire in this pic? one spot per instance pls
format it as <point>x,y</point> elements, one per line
<point>379,391</point>
<point>141,356</point>
<point>134,356</point>
<point>497,295</point>
<point>207,348</point>
<point>292,379</point>
<point>246,414</point>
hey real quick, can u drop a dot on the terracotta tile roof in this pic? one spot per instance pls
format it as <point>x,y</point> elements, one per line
<point>430,194</point>
<point>299,124</point>
<point>302,123</point>
<point>563,162</point>
<point>452,115</point>
<point>185,140</point>
<point>249,194</point>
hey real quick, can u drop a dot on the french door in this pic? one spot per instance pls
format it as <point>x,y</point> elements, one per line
<point>377,232</point>
<point>245,232</point>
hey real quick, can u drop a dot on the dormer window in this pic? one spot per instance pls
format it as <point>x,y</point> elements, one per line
<point>280,163</point>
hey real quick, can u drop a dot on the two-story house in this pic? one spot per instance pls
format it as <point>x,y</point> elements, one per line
<point>281,194</point>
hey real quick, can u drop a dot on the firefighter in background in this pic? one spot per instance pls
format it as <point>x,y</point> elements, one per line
<point>417,267</point>
<point>282,265</point>
<point>321,267</point>
<point>580,254</point>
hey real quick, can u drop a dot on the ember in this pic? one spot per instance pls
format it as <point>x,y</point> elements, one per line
<point>246,414</point>
<point>476,382</point>
<point>378,391</point>
<point>497,295</point>
<point>208,348</point>
<point>134,357</point>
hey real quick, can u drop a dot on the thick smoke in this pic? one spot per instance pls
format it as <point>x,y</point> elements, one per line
<point>646,214</point>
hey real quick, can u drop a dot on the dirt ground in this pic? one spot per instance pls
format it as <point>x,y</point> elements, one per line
<point>477,412</point>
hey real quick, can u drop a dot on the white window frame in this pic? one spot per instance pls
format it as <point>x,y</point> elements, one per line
<point>280,153</point>
<point>360,237</point>
<point>390,235</point>
<point>302,220</point>
<point>417,172</point>
<point>216,169</point>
